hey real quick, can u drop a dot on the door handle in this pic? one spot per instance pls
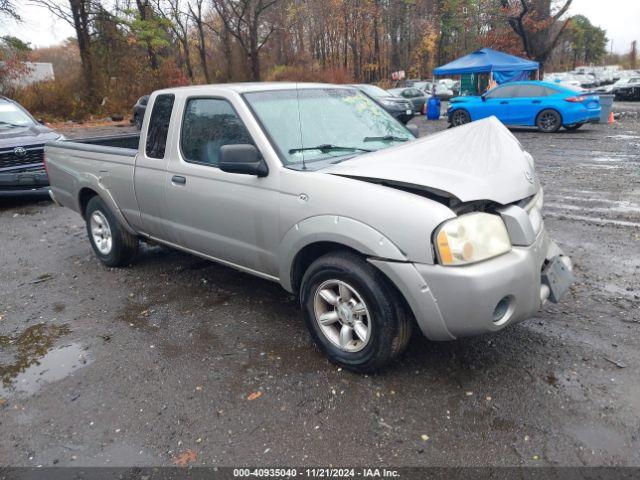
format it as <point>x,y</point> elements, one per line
<point>504,102</point>
<point>178,179</point>
<point>536,101</point>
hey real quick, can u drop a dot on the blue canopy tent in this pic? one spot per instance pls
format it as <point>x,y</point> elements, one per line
<point>504,67</point>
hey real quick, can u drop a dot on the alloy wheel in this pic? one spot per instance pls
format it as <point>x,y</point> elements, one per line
<point>342,315</point>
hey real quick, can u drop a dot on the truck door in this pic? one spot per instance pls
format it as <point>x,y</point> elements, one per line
<point>151,168</point>
<point>230,217</point>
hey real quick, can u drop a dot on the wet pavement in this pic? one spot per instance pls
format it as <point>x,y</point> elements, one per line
<point>179,360</point>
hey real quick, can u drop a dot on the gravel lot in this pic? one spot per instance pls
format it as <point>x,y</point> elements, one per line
<point>156,364</point>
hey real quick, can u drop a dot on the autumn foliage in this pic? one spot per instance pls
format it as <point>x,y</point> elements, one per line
<point>122,53</point>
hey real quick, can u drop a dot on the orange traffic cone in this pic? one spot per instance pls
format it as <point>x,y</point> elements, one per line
<point>611,119</point>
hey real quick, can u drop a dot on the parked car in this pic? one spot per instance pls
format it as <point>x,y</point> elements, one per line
<point>400,108</point>
<point>630,91</point>
<point>416,96</point>
<point>564,80</point>
<point>22,140</point>
<point>623,82</point>
<point>443,92</point>
<point>587,80</point>
<point>547,106</point>
<point>138,111</point>
<point>338,202</point>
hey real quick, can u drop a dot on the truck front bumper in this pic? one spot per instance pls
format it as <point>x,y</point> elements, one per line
<point>453,302</point>
<point>23,182</point>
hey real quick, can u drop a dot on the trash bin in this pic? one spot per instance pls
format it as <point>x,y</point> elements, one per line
<point>433,108</point>
<point>606,104</point>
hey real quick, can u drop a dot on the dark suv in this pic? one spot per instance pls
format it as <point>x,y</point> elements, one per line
<point>22,140</point>
<point>400,108</point>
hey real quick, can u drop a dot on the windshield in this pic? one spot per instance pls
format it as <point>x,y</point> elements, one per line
<point>373,91</point>
<point>330,124</point>
<point>13,116</point>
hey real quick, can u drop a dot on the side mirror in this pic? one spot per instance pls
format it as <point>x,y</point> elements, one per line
<point>41,121</point>
<point>415,131</point>
<point>483,97</point>
<point>244,159</point>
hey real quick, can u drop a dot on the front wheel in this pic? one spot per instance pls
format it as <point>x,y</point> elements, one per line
<point>352,312</point>
<point>460,117</point>
<point>113,245</point>
<point>549,121</point>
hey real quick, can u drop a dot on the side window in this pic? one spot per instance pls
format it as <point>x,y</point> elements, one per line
<point>528,91</point>
<point>144,100</point>
<point>502,92</point>
<point>208,124</point>
<point>159,126</point>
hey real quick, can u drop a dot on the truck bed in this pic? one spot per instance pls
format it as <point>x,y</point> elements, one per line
<point>104,165</point>
<point>104,144</point>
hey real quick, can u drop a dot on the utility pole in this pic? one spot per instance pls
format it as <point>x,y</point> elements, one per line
<point>633,55</point>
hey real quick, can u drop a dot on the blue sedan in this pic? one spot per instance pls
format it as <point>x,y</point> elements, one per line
<point>544,105</point>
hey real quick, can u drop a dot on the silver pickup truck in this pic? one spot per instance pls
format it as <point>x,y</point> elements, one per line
<point>317,188</point>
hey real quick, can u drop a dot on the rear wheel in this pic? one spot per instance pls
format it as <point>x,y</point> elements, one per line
<point>573,127</point>
<point>112,244</point>
<point>460,117</point>
<point>549,121</point>
<point>352,312</point>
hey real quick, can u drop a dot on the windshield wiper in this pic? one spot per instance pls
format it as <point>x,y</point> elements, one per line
<point>326,147</point>
<point>11,124</point>
<point>388,138</point>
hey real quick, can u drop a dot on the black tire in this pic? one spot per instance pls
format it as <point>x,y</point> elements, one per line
<point>137,121</point>
<point>548,121</point>
<point>390,322</point>
<point>460,117</point>
<point>124,246</point>
<point>573,127</point>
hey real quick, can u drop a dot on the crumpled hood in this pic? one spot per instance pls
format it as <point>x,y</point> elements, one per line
<point>25,136</point>
<point>481,160</point>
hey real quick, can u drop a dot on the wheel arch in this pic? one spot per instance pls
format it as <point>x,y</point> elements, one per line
<point>86,193</point>
<point>462,108</point>
<point>316,236</point>
<point>84,196</point>
<point>535,122</point>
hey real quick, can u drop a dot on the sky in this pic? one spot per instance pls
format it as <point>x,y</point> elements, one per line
<point>620,18</point>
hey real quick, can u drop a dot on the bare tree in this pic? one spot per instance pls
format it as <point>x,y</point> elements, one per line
<point>78,13</point>
<point>244,19</point>
<point>198,21</point>
<point>539,25</point>
<point>8,9</point>
<point>178,21</point>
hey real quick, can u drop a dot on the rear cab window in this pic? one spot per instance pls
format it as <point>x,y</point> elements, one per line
<point>158,131</point>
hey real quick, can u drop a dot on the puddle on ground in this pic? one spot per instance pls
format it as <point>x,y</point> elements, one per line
<point>28,361</point>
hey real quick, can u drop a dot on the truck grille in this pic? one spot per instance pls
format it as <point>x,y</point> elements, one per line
<point>31,154</point>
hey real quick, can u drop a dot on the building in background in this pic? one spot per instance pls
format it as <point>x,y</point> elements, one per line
<point>33,72</point>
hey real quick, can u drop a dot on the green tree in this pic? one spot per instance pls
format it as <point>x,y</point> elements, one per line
<point>588,42</point>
